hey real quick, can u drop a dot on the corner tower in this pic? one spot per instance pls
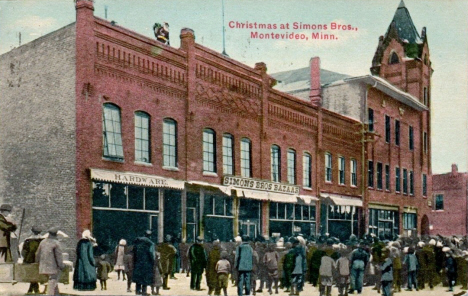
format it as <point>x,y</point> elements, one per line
<point>402,56</point>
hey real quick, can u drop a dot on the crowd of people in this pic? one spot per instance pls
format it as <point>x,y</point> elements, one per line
<point>250,264</point>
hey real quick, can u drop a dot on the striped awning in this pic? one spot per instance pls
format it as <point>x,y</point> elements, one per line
<point>341,200</point>
<point>135,179</point>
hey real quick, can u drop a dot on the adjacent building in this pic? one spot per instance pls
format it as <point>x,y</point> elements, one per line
<point>449,215</point>
<point>105,129</point>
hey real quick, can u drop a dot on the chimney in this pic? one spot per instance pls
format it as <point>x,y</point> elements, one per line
<point>187,38</point>
<point>315,87</point>
<point>454,169</point>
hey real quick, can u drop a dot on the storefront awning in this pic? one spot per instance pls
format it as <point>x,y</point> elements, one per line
<point>135,179</point>
<point>342,200</point>
<point>224,189</point>
<point>307,199</point>
<point>263,195</point>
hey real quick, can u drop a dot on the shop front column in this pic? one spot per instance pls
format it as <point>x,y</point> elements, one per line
<point>265,218</point>
<point>184,213</point>
<point>161,215</point>
<point>201,222</point>
<point>235,211</point>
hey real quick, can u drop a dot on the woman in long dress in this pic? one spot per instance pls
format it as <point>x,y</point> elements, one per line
<point>84,276</point>
<point>119,259</point>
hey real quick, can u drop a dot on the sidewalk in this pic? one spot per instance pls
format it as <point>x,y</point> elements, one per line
<point>182,284</point>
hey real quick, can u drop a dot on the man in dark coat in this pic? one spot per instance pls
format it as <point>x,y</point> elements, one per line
<point>143,261</point>
<point>197,258</point>
<point>30,246</point>
<point>243,263</point>
<point>6,228</point>
<point>211,275</point>
<point>49,257</point>
<point>359,260</point>
<point>168,252</point>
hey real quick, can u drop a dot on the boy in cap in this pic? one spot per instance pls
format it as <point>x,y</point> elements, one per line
<point>223,269</point>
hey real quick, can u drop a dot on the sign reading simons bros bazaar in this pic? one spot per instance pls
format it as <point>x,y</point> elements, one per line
<point>260,185</point>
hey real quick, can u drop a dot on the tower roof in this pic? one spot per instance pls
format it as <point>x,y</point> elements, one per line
<point>404,25</point>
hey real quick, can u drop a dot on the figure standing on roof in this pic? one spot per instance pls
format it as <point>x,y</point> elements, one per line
<point>161,32</point>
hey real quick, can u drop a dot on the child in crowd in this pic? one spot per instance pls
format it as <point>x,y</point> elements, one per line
<point>342,267</point>
<point>270,261</point>
<point>103,270</point>
<point>223,269</point>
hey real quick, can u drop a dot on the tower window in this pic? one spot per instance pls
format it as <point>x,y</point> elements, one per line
<point>394,59</point>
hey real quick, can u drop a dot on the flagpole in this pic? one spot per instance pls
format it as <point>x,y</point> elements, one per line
<point>224,32</point>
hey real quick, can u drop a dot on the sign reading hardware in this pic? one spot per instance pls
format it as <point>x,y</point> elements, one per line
<point>260,185</point>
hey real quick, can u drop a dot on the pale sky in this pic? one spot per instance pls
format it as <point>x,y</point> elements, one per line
<point>446,22</point>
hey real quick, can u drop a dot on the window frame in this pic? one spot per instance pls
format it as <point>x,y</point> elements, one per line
<point>438,201</point>
<point>228,154</point>
<point>379,176</point>
<point>388,129</point>
<point>341,170</point>
<point>387,177</point>
<point>209,150</point>
<point>397,180</point>
<point>328,167</point>
<point>397,132</point>
<point>275,158</point>
<point>405,181</point>
<point>108,132</point>
<point>424,185</point>
<point>307,170</point>
<point>370,119</point>
<point>353,175</point>
<point>370,173</point>
<point>291,166</point>
<point>246,163</point>
<point>170,151</point>
<point>139,131</point>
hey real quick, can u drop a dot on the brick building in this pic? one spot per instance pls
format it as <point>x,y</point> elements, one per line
<point>449,203</point>
<point>105,129</point>
<point>393,105</point>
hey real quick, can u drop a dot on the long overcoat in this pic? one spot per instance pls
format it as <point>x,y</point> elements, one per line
<point>143,261</point>
<point>84,276</point>
<point>197,257</point>
<point>168,253</point>
<point>211,274</point>
<point>49,256</point>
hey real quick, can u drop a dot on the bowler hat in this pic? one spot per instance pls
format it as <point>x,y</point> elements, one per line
<point>199,239</point>
<point>5,207</point>
<point>53,230</point>
<point>36,229</point>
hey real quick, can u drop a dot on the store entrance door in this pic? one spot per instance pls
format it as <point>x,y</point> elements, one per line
<point>192,223</point>
<point>249,228</point>
<point>153,226</point>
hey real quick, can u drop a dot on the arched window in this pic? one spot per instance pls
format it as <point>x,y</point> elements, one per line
<point>142,136</point>
<point>307,170</point>
<point>275,163</point>
<point>228,154</point>
<point>112,132</point>
<point>246,158</point>
<point>394,59</point>
<point>169,143</point>
<point>291,166</point>
<point>209,150</point>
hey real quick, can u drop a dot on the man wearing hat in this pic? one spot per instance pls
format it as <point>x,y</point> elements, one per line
<point>143,262</point>
<point>168,252</point>
<point>6,228</point>
<point>30,246</point>
<point>197,258</point>
<point>49,257</point>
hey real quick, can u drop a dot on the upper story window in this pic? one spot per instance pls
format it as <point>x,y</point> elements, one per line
<point>353,172</point>
<point>397,132</point>
<point>228,154</point>
<point>246,158</point>
<point>387,177</point>
<point>425,142</point>
<point>405,181</point>
<point>370,174</point>
<point>424,185</point>
<point>328,167</point>
<point>387,129</point>
<point>370,119</point>
<point>142,136</point>
<point>275,163</point>
<point>379,175</point>
<point>112,132</point>
<point>209,150</point>
<point>425,97</point>
<point>393,59</point>
<point>411,138</point>
<point>307,170</point>
<point>411,183</point>
<point>439,202</point>
<point>169,143</point>
<point>397,180</point>
<point>342,170</point>
<point>291,166</point>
